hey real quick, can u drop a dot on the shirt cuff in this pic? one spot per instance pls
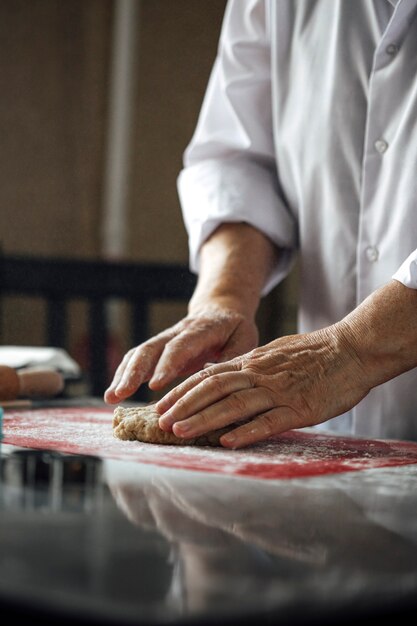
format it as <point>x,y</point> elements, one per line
<point>407,273</point>
<point>215,191</point>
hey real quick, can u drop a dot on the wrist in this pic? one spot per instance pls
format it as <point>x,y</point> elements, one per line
<point>229,278</point>
<point>217,301</point>
<point>382,332</point>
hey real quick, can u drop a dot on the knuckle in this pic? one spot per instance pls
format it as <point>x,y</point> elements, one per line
<point>181,403</point>
<point>143,357</point>
<point>269,423</point>
<point>270,396</point>
<point>201,375</point>
<point>252,378</point>
<point>217,383</point>
<point>189,325</point>
<point>132,375</point>
<point>237,403</point>
<point>145,351</point>
<point>154,342</point>
<point>179,344</point>
<point>204,419</point>
<point>127,357</point>
<point>250,360</point>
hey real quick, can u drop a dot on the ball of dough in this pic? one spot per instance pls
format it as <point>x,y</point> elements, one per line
<point>141,424</point>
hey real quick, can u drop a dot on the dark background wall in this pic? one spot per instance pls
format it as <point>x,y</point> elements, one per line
<point>54,84</point>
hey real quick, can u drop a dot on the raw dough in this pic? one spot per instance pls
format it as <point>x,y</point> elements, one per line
<point>141,424</point>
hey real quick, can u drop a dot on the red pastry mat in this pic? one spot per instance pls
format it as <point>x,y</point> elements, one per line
<point>291,455</point>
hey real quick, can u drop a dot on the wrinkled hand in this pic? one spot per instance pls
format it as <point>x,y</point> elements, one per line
<point>214,334</point>
<point>292,382</point>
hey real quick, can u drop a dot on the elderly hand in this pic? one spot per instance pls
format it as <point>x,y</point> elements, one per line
<point>292,382</point>
<point>215,333</point>
<point>300,380</point>
<point>220,324</point>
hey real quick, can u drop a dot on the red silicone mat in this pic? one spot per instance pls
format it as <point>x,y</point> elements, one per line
<point>291,455</point>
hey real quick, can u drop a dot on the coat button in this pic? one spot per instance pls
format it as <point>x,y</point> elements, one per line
<point>372,253</point>
<point>391,49</point>
<point>381,146</point>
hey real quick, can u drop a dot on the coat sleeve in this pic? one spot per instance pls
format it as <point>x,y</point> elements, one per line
<point>230,171</point>
<point>407,272</point>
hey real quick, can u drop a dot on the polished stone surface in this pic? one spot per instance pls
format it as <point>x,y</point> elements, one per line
<point>126,543</point>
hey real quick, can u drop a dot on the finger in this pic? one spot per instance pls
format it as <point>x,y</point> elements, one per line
<point>272,422</point>
<point>203,360</point>
<point>140,366</point>
<point>110,395</point>
<point>213,389</point>
<point>238,406</point>
<point>180,390</point>
<point>181,353</point>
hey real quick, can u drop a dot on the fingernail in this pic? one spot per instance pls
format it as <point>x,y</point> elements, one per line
<point>229,438</point>
<point>158,378</point>
<point>163,425</point>
<point>165,419</point>
<point>182,427</point>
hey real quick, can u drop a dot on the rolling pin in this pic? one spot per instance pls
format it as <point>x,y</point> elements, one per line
<point>29,383</point>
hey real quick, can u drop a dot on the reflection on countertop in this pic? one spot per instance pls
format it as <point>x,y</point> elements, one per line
<point>324,541</point>
<point>134,543</point>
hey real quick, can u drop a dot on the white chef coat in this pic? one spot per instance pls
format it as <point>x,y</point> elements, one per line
<point>308,131</point>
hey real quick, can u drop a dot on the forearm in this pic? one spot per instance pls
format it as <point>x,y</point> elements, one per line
<point>382,332</point>
<point>235,263</point>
